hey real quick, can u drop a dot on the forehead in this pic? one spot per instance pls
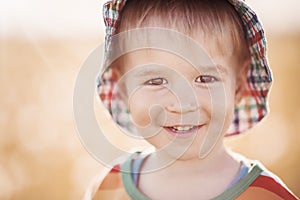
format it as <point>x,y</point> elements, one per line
<point>165,57</point>
<point>168,47</point>
<point>147,60</point>
<point>196,43</point>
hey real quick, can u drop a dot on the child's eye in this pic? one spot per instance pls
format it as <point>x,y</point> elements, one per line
<point>156,81</point>
<point>206,79</point>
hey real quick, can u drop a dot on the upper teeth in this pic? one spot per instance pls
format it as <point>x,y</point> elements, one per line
<point>182,128</point>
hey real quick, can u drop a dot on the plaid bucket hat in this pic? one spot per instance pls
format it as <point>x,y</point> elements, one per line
<point>253,106</point>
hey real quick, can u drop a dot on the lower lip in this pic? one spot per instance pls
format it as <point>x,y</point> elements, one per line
<point>183,134</point>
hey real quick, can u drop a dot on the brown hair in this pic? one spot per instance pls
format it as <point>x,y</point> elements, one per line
<point>213,20</point>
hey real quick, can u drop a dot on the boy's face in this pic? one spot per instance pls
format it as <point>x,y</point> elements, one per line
<point>177,107</point>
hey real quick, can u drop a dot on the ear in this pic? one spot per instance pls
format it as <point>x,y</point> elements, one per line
<point>241,81</point>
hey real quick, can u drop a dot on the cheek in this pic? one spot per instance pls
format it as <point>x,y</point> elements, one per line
<point>204,100</point>
<point>146,107</point>
<point>225,110</point>
<point>210,107</point>
<point>139,107</point>
<point>218,103</point>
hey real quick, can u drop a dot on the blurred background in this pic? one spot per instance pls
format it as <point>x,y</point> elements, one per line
<point>42,47</point>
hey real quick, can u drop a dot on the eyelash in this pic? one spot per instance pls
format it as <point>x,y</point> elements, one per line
<point>152,81</point>
<point>212,79</point>
<point>199,79</point>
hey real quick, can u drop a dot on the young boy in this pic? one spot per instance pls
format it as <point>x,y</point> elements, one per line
<point>184,74</point>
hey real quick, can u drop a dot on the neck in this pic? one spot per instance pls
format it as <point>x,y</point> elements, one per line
<point>217,160</point>
<point>184,177</point>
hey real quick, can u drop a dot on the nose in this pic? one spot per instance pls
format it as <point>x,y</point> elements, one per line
<point>181,107</point>
<point>182,96</point>
<point>182,99</point>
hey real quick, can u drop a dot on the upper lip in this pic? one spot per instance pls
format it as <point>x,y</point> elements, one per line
<point>174,125</point>
<point>182,128</point>
<point>181,125</point>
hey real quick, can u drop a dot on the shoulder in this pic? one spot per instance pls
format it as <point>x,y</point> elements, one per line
<point>108,185</point>
<point>107,181</point>
<point>267,185</point>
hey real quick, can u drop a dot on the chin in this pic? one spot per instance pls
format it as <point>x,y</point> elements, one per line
<point>182,154</point>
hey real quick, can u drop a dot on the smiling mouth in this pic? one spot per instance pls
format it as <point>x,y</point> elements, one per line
<point>183,130</point>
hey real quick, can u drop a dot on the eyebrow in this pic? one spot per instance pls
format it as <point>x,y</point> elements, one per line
<point>220,68</point>
<point>148,72</point>
<point>153,72</point>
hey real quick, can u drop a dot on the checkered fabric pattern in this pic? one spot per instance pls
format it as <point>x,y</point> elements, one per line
<point>248,112</point>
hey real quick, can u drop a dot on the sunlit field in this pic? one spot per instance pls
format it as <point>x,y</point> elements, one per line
<point>41,156</point>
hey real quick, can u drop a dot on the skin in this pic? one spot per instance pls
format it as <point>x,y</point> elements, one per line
<point>176,93</point>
